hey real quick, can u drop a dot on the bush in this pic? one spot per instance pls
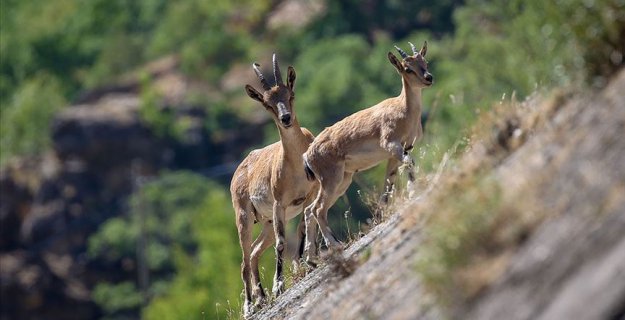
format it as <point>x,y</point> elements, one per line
<point>210,279</point>
<point>166,209</point>
<point>25,121</point>
<point>117,297</point>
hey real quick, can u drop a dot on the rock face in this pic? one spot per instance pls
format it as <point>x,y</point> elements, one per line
<point>50,206</point>
<point>571,266</point>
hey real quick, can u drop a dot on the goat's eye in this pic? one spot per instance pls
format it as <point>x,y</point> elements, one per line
<point>408,70</point>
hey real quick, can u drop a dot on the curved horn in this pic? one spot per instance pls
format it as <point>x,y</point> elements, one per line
<point>401,52</point>
<point>414,49</point>
<point>260,76</point>
<point>276,70</point>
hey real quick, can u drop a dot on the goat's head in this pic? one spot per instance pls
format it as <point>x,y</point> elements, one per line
<point>413,68</point>
<point>277,99</point>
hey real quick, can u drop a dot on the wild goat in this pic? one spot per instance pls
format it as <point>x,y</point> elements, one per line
<point>387,130</point>
<point>270,185</point>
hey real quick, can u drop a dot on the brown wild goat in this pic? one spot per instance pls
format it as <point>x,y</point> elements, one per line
<point>270,185</point>
<point>386,131</point>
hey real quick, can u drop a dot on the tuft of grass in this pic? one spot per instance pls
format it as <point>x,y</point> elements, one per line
<point>460,227</point>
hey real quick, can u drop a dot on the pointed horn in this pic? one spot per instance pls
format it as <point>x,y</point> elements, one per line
<point>424,49</point>
<point>276,70</point>
<point>401,52</point>
<point>414,49</point>
<point>260,76</point>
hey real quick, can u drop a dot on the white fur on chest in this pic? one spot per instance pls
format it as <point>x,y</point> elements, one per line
<point>263,200</point>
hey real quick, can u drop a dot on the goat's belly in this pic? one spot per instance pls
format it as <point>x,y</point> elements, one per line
<point>293,211</point>
<point>364,161</point>
<point>265,208</point>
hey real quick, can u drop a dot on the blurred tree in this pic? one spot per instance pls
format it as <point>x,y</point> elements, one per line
<point>170,210</point>
<point>208,282</point>
<point>398,18</point>
<point>25,118</point>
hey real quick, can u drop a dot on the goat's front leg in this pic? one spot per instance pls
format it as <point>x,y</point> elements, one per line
<point>310,247</point>
<point>301,239</point>
<point>278,227</point>
<point>244,228</point>
<point>401,154</point>
<point>397,151</point>
<point>389,182</point>
<point>264,241</point>
<point>412,174</point>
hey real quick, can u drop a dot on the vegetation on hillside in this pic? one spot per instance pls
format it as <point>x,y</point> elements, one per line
<point>479,52</point>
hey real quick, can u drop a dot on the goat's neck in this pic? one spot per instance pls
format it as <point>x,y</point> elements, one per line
<point>294,142</point>
<point>410,97</point>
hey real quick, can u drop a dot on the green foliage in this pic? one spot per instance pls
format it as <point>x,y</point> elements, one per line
<point>160,119</point>
<point>205,32</point>
<point>395,17</point>
<point>25,120</point>
<point>220,118</point>
<point>339,76</point>
<point>212,276</point>
<point>166,204</point>
<point>505,49</point>
<point>117,297</point>
<point>165,210</point>
<point>81,44</point>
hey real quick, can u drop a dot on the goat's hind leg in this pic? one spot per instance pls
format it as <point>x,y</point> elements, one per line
<point>412,176</point>
<point>265,240</point>
<point>279,221</point>
<point>245,222</point>
<point>330,191</point>
<point>310,248</point>
<point>301,255</point>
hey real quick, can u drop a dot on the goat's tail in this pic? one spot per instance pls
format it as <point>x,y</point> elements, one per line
<point>310,175</point>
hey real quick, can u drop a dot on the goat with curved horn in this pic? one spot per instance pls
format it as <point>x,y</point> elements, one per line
<point>270,188</point>
<point>385,131</point>
<point>260,76</point>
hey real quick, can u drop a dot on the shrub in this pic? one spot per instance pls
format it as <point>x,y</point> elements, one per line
<point>25,121</point>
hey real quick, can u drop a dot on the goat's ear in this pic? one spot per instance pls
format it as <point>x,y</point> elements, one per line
<point>253,93</point>
<point>395,62</point>
<point>290,78</point>
<point>424,49</point>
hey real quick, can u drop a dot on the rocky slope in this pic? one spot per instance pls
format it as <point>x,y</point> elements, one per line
<point>561,159</point>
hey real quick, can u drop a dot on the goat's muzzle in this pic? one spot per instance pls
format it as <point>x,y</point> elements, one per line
<point>284,115</point>
<point>286,119</point>
<point>428,78</point>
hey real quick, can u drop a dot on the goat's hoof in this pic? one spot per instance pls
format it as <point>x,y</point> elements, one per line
<point>278,288</point>
<point>313,262</point>
<point>248,309</point>
<point>260,302</point>
<point>337,247</point>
